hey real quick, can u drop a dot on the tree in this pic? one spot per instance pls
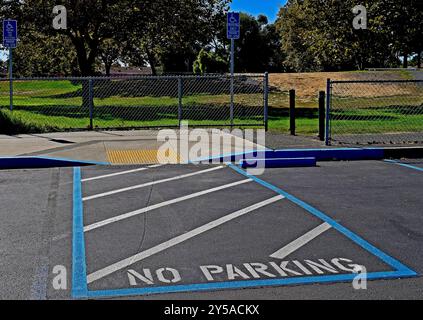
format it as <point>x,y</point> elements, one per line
<point>404,24</point>
<point>90,23</point>
<point>3,68</point>
<point>175,32</point>
<point>257,50</point>
<point>292,24</point>
<point>272,49</point>
<point>110,52</point>
<point>40,55</point>
<point>209,62</point>
<point>319,35</point>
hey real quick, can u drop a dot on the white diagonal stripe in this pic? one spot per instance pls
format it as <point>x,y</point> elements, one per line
<point>177,240</point>
<point>105,194</point>
<point>301,241</point>
<point>121,173</point>
<point>161,204</point>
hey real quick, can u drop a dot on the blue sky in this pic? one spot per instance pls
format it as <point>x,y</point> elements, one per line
<point>255,7</point>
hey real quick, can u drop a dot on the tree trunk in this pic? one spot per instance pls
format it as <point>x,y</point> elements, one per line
<point>108,67</point>
<point>86,68</point>
<point>153,68</point>
<point>419,59</point>
<point>151,61</point>
<point>405,64</point>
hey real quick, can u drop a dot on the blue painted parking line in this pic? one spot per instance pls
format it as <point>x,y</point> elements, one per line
<point>401,268</point>
<point>79,267</point>
<point>404,165</point>
<point>240,284</point>
<point>79,274</point>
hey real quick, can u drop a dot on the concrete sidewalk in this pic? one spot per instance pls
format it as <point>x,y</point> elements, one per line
<point>140,146</point>
<point>116,147</point>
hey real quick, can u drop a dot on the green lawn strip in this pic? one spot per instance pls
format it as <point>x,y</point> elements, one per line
<point>31,122</point>
<point>399,124</point>
<point>45,93</point>
<point>23,101</point>
<point>341,103</point>
<point>304,126</point>
<point>40,88</point>
<point>24,122</point>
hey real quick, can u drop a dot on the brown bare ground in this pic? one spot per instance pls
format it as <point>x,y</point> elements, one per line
<point>307,85</point>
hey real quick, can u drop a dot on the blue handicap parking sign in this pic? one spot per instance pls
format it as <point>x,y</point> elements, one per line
<point>10,33</point>
<point>234,25</point>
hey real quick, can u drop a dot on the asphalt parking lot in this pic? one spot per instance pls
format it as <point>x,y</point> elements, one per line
<point>186,231</point>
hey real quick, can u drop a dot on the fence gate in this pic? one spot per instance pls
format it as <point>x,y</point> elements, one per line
<point>375,112</point>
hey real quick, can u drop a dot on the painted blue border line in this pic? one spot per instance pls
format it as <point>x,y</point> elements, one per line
<point>79,271</point>
<point>228,155</point>
<point>241,284</point>
<point>404,165</point>
<point>329,154</point>
<point>401,268</point>
<point>278,163</point>
<point>100,163</point>
<point>43,162</point>
<point>400,272</point>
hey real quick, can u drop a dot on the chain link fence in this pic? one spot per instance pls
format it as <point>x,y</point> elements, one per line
<point>375,112</point>
<point>60,104</point>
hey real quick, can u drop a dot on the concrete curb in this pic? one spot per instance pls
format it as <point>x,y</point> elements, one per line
<point>42,162</point>
<point>278,163</point>
<point>404,152</point>
<point>330,154</point>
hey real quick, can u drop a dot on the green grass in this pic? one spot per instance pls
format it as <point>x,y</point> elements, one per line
<point>395,125</point>
<point>40,87</point>
<point>44,106</point>
<point>25,122</point>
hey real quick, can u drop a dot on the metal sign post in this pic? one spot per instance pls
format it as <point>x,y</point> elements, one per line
<point>233,32</point>
<point>10,39</point>
<point>232,81</point>
<point>11,78</point>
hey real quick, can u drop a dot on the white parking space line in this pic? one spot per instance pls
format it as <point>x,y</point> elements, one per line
<point>105,194</point>
<point>301,241</point>
<point>121,173</point>
<point>162,204</point>
<point>177,240</point>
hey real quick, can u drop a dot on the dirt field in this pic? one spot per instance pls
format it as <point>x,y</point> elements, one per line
<point>307,85</point>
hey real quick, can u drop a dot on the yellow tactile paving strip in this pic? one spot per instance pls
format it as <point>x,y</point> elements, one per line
<point>141,157</point>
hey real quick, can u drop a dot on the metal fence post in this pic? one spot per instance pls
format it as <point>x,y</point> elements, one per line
<point>292,112</point>
<point>266,101</point>
<point>91,102</point>
<point>180,95</point>
<point>232,82</point>
<point>11,77</point>
<point>322,115</point>
<point>328,97</point>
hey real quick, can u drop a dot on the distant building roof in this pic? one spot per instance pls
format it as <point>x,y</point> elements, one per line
<point>118,70</point>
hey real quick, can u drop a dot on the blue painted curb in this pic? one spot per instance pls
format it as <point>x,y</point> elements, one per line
<point>278,163</point>
<point>42,162</point>
<point>345,154</point>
